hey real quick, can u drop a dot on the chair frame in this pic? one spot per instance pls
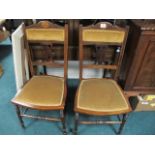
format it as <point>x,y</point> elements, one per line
<point>61,108</point>
<point>78,111</point>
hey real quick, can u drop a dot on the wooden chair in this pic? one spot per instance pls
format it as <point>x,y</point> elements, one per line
<point>44,92</point>
<point>101,97</point>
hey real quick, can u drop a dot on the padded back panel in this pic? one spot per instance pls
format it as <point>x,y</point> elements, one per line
<point>41,34</point>
<point>108,36</point>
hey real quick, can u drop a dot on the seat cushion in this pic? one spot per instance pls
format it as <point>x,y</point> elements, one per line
<point>41,91</point>
<point>102,96</point>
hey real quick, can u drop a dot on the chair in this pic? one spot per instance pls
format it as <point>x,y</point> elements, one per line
<point>44,92</point>
<point>101,97</point>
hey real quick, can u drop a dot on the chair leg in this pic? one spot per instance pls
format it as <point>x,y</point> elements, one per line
<point>118,116</point>
<point>63,122</point>
<point>45,70</point>
<point>76,124</point>
<point>122,124</point>
<point>19,116</point>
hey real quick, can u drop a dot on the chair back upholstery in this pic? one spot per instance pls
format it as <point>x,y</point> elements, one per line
<point>46,35</point>
<point>103,35</point>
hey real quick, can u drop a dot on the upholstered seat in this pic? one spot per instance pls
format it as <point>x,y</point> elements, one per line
<point>102,96</point>
<point>43,91</point>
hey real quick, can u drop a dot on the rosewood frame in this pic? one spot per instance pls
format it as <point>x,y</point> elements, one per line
<point>61,108</point>
<point>111,67</point>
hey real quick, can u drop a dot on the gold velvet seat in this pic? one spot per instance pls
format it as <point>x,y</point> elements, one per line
<point>46,91</point>
<point>100,96</point>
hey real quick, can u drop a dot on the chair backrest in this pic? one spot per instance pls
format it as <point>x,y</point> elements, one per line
<point>101,35</point>
<point>46,34</point>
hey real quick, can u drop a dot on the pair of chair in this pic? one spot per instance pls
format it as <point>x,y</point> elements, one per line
<point>98,97</point>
